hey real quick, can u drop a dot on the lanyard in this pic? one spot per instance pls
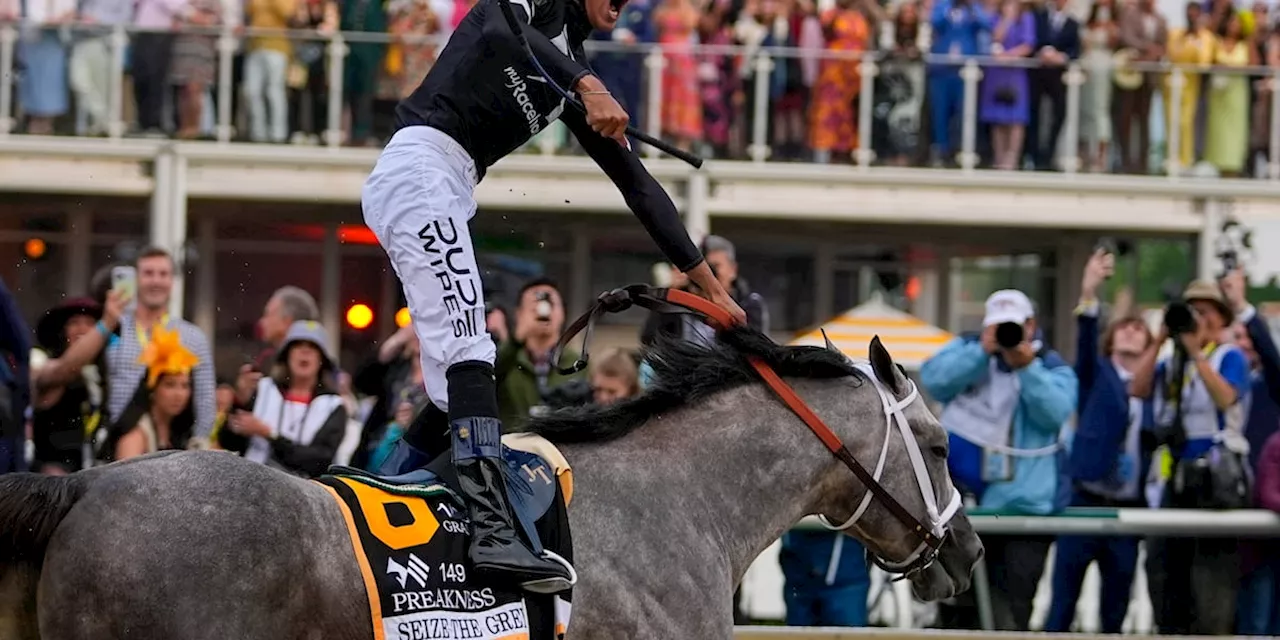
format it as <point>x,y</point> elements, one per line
<point>143,335</point>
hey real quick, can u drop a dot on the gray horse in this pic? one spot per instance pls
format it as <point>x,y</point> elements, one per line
<point>675,494</point>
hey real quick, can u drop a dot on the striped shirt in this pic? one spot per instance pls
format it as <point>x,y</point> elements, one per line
<point>126,372</point>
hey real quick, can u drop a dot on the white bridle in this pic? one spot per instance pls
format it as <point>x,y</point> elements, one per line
<point>893,411</point>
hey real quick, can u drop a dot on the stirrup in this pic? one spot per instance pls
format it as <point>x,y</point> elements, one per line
<point>548,586</point>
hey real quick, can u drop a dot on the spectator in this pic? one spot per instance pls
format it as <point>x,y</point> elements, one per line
<point>1106,464</point>
<point>1099,40</point>
<point>42,91</point>
<point>411,21</point>
<point>827,581</point>
<point>91,75</point>
<point>394,377</point>
<point>1196,404</point>
<point>1004,407</point>
<point>1005,93</point>
<point>67,386</point>
<point>959,26</point>
<point>1227,137</point>
<point>287,305</point>
<point>1190,48</point>
<point>195,63</point>
<point>623,71</point>
<point>900,90</point>
<point>614,377</point>
<point>791,89</point>
<point>1145,31</point>
<point>15,389</point>
<point>307,76</point>
<point>833,124</point>
<point>266,64</point>
<point>523,364</point>
<point>718,85</point>
<point>361,66</point>
<point>722,257</point>
<point>1058,43</point>
<point>1266,48</point>
<point>298,419</point>
<point>1259,600</point>
<point>1269,498</point>
<point>675,21</point>
<point>159,417</point>
<point>151,55</point>
<point>127,377</point>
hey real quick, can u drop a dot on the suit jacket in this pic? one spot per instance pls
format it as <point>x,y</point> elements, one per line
<point>1133,35</point>
<point>1065,39</point>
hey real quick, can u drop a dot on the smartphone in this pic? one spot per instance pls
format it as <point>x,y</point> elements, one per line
<point>124,281</point>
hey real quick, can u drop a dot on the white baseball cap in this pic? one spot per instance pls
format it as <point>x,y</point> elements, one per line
<point>1008,305</point>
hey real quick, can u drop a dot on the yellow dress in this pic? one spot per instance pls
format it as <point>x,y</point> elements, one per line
<point>1192,49</point>
<point>1227,139</point>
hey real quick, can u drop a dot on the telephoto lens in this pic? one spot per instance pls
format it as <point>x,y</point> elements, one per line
<point>1180,318</point>
<point>1009,335</point>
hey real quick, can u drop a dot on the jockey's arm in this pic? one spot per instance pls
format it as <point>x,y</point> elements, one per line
<point>562,69</point>
<point>645,197</point>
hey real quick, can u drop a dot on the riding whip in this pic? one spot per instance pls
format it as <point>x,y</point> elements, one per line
<point>665,147</point>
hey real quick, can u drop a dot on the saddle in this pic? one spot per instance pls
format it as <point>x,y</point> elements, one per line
<point>533,469</point>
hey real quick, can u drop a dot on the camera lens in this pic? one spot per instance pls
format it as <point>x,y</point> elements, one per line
<point>1180,318</point>
<point>1009,335</point>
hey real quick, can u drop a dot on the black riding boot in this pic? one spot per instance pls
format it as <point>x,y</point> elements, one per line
<point>496,545</point>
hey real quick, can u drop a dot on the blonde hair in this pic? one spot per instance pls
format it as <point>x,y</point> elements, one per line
<point>618,363</point>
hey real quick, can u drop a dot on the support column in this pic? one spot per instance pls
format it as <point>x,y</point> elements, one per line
<point>1206,246</point>
<point>387,309</point>
<point>923,265</point>
<point>824,282</point>
<point>80,235</point>
<point>331,287</point>
<point>207,278</point>
<point>176,240</point>
<point>162,182</point>
<point>580,266</point>
<point>697,214</point>
<point>946,316</point>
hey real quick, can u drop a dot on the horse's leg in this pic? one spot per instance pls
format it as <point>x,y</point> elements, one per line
<point>18,602</point>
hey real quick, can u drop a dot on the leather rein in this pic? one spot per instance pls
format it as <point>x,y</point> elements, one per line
<point>663,300</point>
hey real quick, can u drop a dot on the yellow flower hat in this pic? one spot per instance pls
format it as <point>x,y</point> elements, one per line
<point>165,354</point>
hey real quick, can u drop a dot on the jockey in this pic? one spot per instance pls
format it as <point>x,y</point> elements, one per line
<point>481,100</point>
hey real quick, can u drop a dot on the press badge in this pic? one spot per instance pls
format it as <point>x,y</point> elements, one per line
<point>996,467</point>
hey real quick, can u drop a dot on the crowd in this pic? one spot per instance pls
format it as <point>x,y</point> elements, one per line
<point>1182,414</point>
<point>280,84</point>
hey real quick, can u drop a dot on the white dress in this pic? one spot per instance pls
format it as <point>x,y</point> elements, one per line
<point>1095,95</point>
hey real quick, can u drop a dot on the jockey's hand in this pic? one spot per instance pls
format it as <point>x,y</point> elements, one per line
<point>726,302</point>
<point>605,116</point>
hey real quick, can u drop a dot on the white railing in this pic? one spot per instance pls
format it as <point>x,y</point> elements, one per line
<point>759,62</point>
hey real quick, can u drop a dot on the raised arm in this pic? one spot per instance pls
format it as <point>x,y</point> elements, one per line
<point>562,69</point>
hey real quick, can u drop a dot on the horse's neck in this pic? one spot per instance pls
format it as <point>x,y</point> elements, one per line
<point>740,467</point>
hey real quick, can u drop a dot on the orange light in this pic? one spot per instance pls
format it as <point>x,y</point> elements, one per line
<point>359,316</point>
<point>913,287</point>
<point>402,317</point>
<point>34,248</point>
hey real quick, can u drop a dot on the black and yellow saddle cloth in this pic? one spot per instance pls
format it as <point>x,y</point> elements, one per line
<point>411,542</point>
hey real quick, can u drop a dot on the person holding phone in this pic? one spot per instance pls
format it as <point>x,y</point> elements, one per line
<point>1006,396</point>
<point>1106,465</point>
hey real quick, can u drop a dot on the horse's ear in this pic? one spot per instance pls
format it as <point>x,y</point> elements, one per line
<point>831,346</point>
<point>882,365</point>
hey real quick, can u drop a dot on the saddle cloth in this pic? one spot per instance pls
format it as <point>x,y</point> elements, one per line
<point>411,541</point>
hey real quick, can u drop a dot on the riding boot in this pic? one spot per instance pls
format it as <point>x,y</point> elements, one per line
<point>496,545</point>
<point>426,438</point>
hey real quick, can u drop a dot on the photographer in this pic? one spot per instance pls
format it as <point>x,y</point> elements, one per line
<point>1196,393</point>
<point>1006,397</point>
<point>1106,466</point>
<point>526,376</point>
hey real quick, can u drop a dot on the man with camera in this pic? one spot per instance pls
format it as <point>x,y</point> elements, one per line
<point>527,379</point>
<point>1106,465</point>
<point>1006,397</point>
<point>1196,392</point>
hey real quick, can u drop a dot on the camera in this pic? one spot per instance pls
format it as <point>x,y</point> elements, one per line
<point>542,306</point>
<point>1009,335</point>
<point>1181,318</point>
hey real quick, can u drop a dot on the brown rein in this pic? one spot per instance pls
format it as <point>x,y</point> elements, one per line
<point>664,300</point>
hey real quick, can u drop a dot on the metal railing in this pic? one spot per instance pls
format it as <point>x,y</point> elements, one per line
<point>750,70</point>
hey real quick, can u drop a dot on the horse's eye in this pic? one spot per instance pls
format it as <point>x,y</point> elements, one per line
<point>940,451</point>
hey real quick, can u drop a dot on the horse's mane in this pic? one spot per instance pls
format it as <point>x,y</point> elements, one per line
<point>684,373</point>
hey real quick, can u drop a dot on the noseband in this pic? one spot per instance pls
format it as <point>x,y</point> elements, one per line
<point>930,535</point>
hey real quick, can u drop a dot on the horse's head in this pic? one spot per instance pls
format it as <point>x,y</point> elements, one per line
<point>904,446</point>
